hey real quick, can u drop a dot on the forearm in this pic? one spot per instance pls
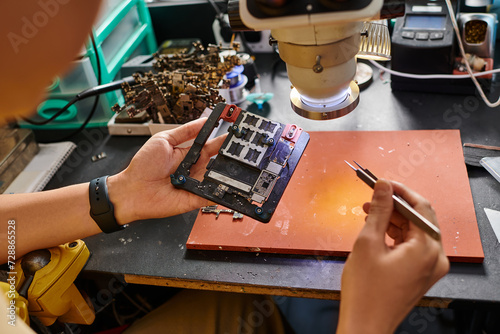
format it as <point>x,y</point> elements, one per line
<point>46,219</point>
<point>142,191</point>
<point>365,320</point>
<point>381,284</point>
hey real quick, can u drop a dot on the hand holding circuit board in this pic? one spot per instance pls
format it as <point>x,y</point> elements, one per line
<point>254,164</point>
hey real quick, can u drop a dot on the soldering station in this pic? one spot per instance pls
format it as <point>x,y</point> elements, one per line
<point>300,88</point>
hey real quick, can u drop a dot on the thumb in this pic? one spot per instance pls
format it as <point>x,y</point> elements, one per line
<point>381,208</point>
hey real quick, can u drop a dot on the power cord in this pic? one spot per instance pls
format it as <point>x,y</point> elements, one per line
<point>469,74</point>
<point>96,100</point>
<point>57,114</point>
<point>93,91</point>
<point>226,32</point>
<point>76,98</point>
<point>432,76</point>
<point>462,51</point>
<point>225,29</point>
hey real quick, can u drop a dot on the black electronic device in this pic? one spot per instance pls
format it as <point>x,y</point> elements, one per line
<point>423,42</point>
<point>254,164</point>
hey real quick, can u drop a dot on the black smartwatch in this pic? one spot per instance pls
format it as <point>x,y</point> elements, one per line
<point>101,208</point>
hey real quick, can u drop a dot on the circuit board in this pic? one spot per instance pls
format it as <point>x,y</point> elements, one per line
<point>254,164</point>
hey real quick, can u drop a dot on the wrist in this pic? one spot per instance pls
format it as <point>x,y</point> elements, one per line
<point>120,195</point>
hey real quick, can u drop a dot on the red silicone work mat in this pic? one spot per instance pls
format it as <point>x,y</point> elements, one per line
<point>321,212</point>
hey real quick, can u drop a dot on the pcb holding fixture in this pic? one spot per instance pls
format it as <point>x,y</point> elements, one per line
<point>254,164</point>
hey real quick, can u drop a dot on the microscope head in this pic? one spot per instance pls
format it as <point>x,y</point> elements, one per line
<point>319,41</point>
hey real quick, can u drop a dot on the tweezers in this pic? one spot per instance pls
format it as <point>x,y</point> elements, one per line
<point>400,204</point>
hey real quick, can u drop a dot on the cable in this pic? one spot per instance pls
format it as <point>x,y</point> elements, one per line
<point>225,29</point>
<point>96,101</point>
<point>93,91</point>
<point>462,51</point>
<point>431,76</point>
<point>76,98</point>
<point>469,74</point>
<point>57,114</point>
<point>244,41</point>
<point>216,8</point>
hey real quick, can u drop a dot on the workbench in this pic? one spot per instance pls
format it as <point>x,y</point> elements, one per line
<point>153,252</point>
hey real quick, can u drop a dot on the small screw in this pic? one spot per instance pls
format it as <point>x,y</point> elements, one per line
<point>318,68</point>
<point>258,211</point>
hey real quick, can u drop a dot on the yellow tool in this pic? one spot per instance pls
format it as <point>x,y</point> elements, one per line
<point>45,279</point>
<point>17,305</point>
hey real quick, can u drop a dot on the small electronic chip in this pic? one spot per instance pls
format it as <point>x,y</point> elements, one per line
<point>264,186</point>
<point>99,156</point>
<point>282,152</point>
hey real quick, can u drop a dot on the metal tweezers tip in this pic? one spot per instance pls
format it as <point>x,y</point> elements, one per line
<point>358,164</point>
<point>350,165</point>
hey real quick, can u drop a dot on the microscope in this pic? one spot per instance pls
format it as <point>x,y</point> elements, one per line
<point>319,41</point>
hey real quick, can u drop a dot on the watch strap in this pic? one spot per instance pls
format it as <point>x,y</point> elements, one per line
<point>101,208</point>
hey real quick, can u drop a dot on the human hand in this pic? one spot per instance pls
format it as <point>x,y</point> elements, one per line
<point>381,283</point>
<point>143,190</point>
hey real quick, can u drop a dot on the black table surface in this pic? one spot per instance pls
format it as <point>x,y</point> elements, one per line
<point>154,252</point>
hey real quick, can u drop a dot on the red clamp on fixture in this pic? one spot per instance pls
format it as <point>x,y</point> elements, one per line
<point>230,113</point>
<point>292,132</point>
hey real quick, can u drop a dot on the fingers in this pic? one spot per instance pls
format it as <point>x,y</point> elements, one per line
<point>393,231</point>
<point>397,228</point>
<point>189,131</point>
<point>417,201</point>
<point>412,197</point>
<point>396,218</point>
<point>381,208</point>
<point>183,133</point>
<point>407,230</point>
<point>442,267</point>
<point>210,149</point>
<point>212,146</point>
